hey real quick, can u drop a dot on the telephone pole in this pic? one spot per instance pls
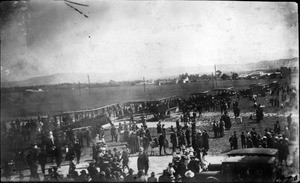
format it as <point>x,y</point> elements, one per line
<point>144,85</point>
<point>89,84</point>
<point>79,88</point>
<point>212,80</point>
<point>216,76</point>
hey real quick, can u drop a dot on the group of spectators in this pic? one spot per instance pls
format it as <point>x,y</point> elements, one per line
<point>220,127</point>
<point>207,103</point>
<point>272,138</point>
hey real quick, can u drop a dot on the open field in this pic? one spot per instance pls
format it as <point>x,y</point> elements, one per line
<point>51,102</point>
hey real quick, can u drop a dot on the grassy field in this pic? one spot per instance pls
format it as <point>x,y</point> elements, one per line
<point>15,105</point>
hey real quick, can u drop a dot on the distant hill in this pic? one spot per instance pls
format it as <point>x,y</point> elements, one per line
<point>162,73</point>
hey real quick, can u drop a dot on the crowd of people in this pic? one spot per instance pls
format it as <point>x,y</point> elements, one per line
<point>272,138</point>
<point>188,144</point>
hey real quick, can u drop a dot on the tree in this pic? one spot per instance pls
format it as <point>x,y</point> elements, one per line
<point>234,76</point>
<point>183,76</point>
<point>218,73</point>
<point>205,77</point>
<point>194,77</point>
<point>225,77</point>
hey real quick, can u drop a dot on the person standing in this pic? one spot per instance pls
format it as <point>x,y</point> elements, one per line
<point>80,137</point>
<point>88,136</point>
<point>158,128</point>
<point>221,128</point>
<point>146,142</point>
<point>231,141</point>
<point>243,140</point>
<point>173,140</point>
<point>42,159</point>
<point>161,142</point>
<point>215,129</point>
<point>125,158</point>
<point>77,149</point>
<point>277,127</point>
<point>205,137</point>
<point>259,113</point>
<point>58,155</point>
<point>93,172</point>
<point>113,133</point>
<point>143,161</point>
<point>32,158</point>
<point>188,136</point>
<point>235,140</point>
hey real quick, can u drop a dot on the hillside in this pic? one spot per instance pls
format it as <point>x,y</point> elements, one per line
<point>169,72</point>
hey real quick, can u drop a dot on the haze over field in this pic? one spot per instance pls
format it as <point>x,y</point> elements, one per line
<point>41,38</point>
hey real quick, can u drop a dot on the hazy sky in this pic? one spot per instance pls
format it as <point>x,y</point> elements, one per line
<point>47,37</point>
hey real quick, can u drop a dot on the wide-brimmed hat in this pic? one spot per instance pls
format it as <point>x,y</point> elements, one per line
<point>189,174</point>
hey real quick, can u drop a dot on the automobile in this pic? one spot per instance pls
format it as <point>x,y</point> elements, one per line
<point>259,89</point>
<point>219,92</point>
<point>198,95</point>
<point>244,165</point>
<point>273,85</point>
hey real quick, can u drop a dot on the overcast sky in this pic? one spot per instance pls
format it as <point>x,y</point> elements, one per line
<point>47,37</point>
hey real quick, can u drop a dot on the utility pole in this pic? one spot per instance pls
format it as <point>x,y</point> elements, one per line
<point>216,76</point>
<point>79,88</point>
<point>212,80</point>
<point>144,85</point>
<point>89,84</point>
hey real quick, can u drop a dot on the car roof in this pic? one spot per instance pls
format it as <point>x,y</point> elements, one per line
<point>254,152</point>
<point>250,159</point>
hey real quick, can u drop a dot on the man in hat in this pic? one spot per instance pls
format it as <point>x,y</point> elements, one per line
<point>173,140</point>
<point>152,178</point>
<point>125,158</point>
<point>88,136</point>
<point>83,176</point>
<point>235,141</point>
<point>243,140</point>
<point>181,167</point>
<point>32,158</point>
<point>73,173</point>
<point>161,142</point>
<point>77,149</point>
<point>117,154</point>
<point>205,137</point>
<point>113,133</point>
<point>143,161</point>
<point>92,170</point>
<point>277,127</point>
<point>165,177</point>
<point>194,164</point>
<point>42,159</point>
